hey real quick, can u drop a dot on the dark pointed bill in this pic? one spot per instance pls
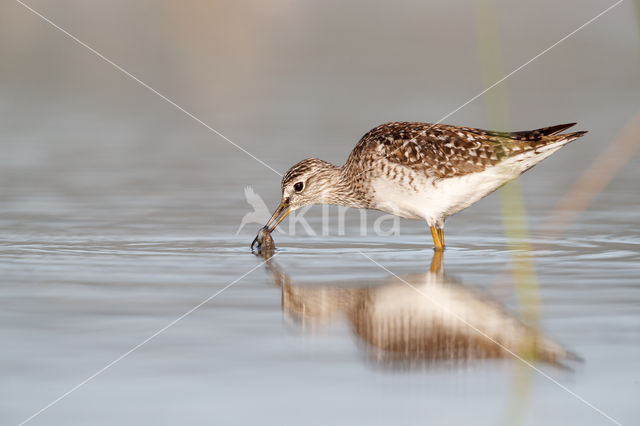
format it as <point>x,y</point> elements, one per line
<point>278,216</point>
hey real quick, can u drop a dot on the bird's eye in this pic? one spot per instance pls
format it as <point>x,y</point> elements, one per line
<point>299,186</point>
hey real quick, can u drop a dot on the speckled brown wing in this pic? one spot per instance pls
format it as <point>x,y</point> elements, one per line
<point>442,151</point>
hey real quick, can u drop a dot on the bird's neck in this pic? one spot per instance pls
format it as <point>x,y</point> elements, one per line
<point>342,190</point>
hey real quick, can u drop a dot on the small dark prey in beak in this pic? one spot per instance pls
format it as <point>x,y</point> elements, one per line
<point>263,242</point>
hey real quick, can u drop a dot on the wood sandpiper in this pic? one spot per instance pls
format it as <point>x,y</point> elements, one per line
<point>419,171</point>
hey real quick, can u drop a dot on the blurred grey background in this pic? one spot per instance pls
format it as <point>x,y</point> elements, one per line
<point>287,80</point>
<point>118,212</point>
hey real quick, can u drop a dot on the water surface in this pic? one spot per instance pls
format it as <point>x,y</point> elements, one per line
<point>118,214</point>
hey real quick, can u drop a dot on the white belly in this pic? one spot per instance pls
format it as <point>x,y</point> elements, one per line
<point>434,200</point>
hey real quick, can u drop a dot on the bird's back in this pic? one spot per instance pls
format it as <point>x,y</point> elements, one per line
<point>442,151</point>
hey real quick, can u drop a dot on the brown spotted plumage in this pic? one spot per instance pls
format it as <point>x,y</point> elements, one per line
<point>420,170</point>
<point>442,151</point>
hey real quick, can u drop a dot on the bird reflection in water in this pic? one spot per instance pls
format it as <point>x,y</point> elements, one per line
<point>420,319</point>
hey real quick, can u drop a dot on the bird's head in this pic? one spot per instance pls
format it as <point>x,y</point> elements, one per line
<point>311,181</point>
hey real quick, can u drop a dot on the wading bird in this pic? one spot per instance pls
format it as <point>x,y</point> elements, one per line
<point>418,171</point>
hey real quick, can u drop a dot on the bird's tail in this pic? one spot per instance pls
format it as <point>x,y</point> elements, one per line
<point>551,130</point>
<point>550,134</point>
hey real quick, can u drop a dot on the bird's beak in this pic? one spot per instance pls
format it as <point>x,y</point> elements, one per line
<point>281,212</point>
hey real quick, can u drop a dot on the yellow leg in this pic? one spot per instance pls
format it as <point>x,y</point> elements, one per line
<point>438,238</point>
